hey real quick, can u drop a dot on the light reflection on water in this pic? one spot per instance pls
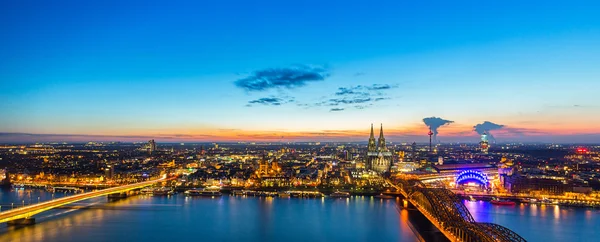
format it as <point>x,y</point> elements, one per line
<point>540,222</point>
<point>179,218</point>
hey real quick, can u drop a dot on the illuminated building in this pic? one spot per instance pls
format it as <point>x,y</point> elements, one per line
<point>413,154</point>
<point>348,155</point>
<point>523,184</point>
<point>151,146</point>
<point>167,164</point>
<point>401,156</point>
<point>109,172</point>
<point>448,169</point>
<point>269,174</point>
<point>505,168</point>
<point>484,144</point>
<point>472,176</point>
<point>379,158</point>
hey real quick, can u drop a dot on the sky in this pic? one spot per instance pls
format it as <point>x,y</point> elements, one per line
<point>219,71</point>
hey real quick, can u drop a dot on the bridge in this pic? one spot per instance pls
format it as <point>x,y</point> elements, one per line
<point>25,213</point>
<point>449,215</point>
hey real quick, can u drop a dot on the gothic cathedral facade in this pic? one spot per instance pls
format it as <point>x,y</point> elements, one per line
<point>379,158</point>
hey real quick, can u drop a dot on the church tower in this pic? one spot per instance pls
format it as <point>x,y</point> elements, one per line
<point>372,147</point>
<point>379,158</point>
<point>381,141</point>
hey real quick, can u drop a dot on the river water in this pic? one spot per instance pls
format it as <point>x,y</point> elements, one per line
<point>179,218</point>
<point>227,218</point>
<point>547,223</point>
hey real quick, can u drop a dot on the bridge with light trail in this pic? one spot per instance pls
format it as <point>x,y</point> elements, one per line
<point>26,213</point>
<point>449,215</point>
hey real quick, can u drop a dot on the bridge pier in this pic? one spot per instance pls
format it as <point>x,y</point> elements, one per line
<point>117,196</point>
<point>405,204</point>
<point>21,222</point>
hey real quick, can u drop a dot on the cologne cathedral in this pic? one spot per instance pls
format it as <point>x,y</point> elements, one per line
<point>379,158</point>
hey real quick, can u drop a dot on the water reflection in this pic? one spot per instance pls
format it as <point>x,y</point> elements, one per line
<point>556,212</point>
<point>540,222</point>
<point>179,218</point>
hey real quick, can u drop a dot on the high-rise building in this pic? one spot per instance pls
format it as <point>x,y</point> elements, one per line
<point>484,144</point>
<point>348,155</point>
<point>109,172</point>
<point>151,146</point>
<point>413,152</point>
<point>379,158</point>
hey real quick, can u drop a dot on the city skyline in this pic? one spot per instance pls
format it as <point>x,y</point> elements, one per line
<point>111,71</point>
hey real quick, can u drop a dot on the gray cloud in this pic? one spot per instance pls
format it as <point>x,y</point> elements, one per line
<point>359,97</point>
<point>336,109</point>
<point>380,87</point>
<point>290,77</point>
<point>434,123</point>
<point>486,127</point>
<point>364,90</point>
<point>267,101</point>
<point>338,101</point>
<point>270,101</point>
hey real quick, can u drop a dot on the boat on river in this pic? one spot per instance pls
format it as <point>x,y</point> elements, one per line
<point>203,193</point>
<point>504,202</point>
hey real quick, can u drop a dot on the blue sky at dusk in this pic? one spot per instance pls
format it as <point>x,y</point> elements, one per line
<point>296,71</point>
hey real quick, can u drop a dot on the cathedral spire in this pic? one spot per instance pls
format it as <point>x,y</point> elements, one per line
<point>372,145</point>
<point>381,140</point>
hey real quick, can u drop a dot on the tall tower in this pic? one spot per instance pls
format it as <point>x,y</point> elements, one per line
<point>430,146</point>
<point>381,141</point>
<point>372,147</point>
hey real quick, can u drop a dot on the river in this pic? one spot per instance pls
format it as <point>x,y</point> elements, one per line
<point>233,218</point>
<point>227,218</point>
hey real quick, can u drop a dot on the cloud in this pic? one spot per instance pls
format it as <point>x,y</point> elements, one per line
<point>343,91</point>
<point>364,90</point>
<point>290,77</point>
<point>267,101</point>
<point>434,123</point>
<point>524,131</point>
<point>336,109</point>
<point>338,101</point>
<point>380,87</point>
<point>359,97</point>
<point>270,101</point>
<point>486,127</point>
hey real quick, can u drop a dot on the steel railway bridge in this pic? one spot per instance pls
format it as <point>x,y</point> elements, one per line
<point>447,212</point>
